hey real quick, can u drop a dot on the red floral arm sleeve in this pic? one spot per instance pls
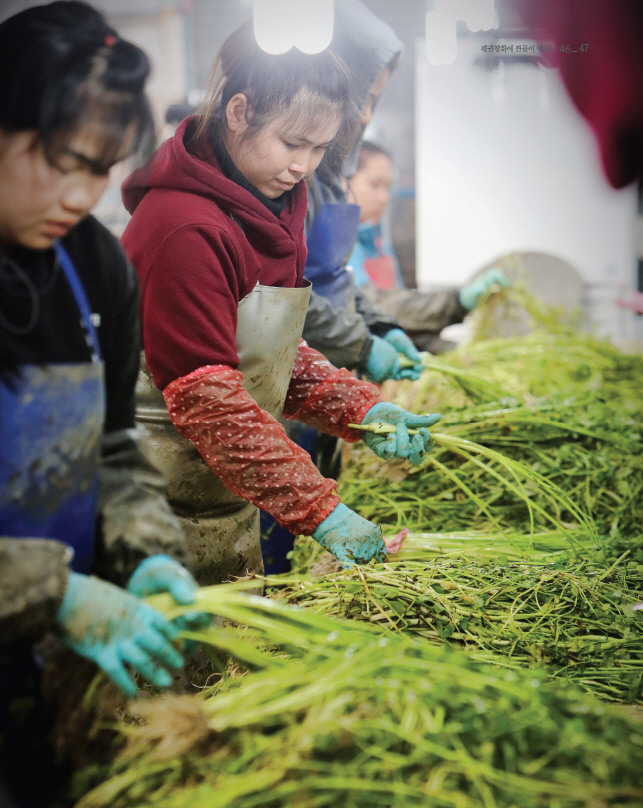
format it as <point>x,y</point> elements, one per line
<point>327,398</point>
<point>248,449</point>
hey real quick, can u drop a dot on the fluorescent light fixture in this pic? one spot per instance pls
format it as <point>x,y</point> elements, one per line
<point>280,25</point>
<point>441,41</point>
<point>479,15</point>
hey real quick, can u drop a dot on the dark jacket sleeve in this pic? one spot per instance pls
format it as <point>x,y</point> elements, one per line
<point>33,579</point>
<point>134,517</point>
<point>340,335</point>
<point>419,311</point>
<point>377,319</point>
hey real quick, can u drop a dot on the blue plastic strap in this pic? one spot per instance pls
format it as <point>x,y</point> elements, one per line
<point>81,299</point>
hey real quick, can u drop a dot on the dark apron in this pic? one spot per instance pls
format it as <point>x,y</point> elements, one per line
<point>330,241</point>
<point>51,423</point>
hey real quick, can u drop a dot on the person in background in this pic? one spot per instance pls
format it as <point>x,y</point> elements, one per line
<point>85,529</point>
<point>217,238</point>
<point>341,321</point>
<point>377,273</point>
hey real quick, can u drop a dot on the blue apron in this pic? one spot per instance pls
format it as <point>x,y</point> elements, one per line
<point>330,241</point>
<point>51,422</point>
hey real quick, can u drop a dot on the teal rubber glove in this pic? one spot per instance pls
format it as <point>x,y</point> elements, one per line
<point>472,292</point>
<point>113,628</point>
<point>350,538</point>
<point>399,443</point>
<point>160,573</point>
<point>383,362</point>
<point>404,345</point>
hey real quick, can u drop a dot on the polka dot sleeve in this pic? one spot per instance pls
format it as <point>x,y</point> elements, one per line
<point>327,398</point>
<point>248,449</point>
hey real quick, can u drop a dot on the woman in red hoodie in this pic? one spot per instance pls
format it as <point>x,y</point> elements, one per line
<point>217,238</point>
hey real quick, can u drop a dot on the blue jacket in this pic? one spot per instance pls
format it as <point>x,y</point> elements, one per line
<point>371,247</point>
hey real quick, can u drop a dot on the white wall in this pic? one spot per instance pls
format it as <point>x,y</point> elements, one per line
<point>504,164</point>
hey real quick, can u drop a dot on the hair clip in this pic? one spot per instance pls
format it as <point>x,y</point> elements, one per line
<point>110,40</point>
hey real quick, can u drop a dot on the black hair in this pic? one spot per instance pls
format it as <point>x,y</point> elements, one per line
<point>62,67</point>
<point>314,88</point>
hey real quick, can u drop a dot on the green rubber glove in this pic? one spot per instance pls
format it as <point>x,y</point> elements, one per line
<point>399,443</point>
<point>160,573</point>
<point>472,292</point>
<point>404,345</point>
<point>350,538</point>
<point>116,630</point>
<point>383,362</point>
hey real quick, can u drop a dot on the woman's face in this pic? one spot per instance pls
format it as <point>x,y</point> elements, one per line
<point>371,187</point>
<point>276,158</point>
<point>40,203</point>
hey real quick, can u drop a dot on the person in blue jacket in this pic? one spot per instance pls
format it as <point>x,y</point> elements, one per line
<point>377,272</point>
<point>341,322</point>
<point>85,529</point>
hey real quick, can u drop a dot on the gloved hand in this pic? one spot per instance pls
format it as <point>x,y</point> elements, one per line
<point>404,345</point>
<point>160,573</point>
<point>350,538</point>
<point>471,293</point>
<point>383,362</point>
<point>399,443</point>
<point>114,628</point>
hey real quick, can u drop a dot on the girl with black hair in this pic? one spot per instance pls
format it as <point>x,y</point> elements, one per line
<point>76,495</point>
<point>217,237</point>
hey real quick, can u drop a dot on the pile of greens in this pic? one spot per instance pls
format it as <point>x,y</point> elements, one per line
<point>557,402</point>
<point>465,671</point>
<point>334,713</point>
<point>573,619</point>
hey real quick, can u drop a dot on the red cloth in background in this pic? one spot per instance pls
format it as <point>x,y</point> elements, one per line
<point>605,82</point>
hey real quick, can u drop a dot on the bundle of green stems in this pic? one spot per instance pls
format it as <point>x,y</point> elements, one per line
<point>557,409</point>
<point>565,464</point>
<point>465,671</point>
<point>334,713</point>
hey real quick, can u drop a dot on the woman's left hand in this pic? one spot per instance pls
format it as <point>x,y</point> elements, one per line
<point>399,443</point>
<point>404,345</point>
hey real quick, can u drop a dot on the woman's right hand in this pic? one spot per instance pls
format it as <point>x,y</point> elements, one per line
<point>350,538</point>
<point>115,629</point>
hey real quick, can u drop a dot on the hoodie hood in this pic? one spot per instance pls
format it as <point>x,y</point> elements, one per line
<point>174,168</point>
<point>364,42</point>
<point>367,45</point>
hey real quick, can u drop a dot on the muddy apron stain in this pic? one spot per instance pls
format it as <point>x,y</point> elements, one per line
<point>51,422</point>
<point>222,529</point>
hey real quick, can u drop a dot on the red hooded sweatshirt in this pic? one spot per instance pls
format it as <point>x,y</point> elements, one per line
<point>195,264</point>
